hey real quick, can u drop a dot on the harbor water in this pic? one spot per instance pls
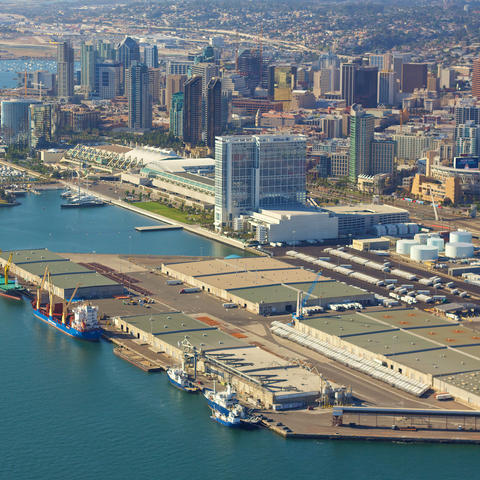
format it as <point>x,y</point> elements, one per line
<point>74,410</point>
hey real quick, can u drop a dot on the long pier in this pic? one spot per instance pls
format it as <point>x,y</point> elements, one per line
<point>154,228</point>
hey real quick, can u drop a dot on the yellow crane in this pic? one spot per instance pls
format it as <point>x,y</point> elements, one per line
<point>67,304</point>
<point>7,268</point>
<point>50,296</point>
<point>40,287</point>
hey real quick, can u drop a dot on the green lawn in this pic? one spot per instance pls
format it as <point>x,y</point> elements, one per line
<point>168,212</point>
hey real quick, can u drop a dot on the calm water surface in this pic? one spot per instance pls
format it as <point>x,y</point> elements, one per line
<point>72,410</point>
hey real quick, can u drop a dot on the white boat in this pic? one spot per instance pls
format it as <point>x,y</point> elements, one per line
<point>180,379</point>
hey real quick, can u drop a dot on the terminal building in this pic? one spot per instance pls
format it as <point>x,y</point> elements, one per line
<point>264,285</point>
<point>261,378</point>
<point>30,265</point>
<point>411,346</point>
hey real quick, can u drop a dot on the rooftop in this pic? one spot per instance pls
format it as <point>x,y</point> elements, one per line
<point>33,255</point>
<point>365,209</point>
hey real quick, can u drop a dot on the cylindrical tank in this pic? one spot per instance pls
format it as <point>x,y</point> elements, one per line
<point>402,229</point>
<point>436,242</point>
<point>460,236</point>
<point>412,228</point>
<point>421,238</point>
<point>422,253</point>
<point>404,246</point>
<point>459,250</point>
<point>380,230</point>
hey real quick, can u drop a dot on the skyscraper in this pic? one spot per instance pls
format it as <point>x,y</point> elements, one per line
<point>192,110</point>
<point>150,56</point>
<point>365,86</point>
<point>361,137</point>
<point>175,83</point>
<point>127,52</point>
<point>14,125</point>
<point>467,139</point>
<point>214,111</point>
<point>176,115</point>
<point>206,71</point>
<point>347,82</point>
<point>261,171</point>
<point>386,88</point>
<point>65,62</point>
<point>383,152</point>
<point>249,65</point>
<point>107,79</point>
<point>88,57</point>
<point>139,100</point>
<point>466,110</point>
<point>476,78</point>
<point>42,124</point>
<point>414,75</point>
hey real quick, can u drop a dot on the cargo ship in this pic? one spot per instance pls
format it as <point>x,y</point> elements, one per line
<point>179,378</point>
<point>10,289</point>
<point>82,323</point>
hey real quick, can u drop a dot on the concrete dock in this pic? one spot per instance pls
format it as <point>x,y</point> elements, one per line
<point>155,228</point>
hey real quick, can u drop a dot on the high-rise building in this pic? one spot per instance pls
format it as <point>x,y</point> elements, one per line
<point>176,115</point>
<point>177,67</point>
<point>282,80</point>
<point>465,111</point>
<point>398,59</point>
<point>446,77</point>
<point>206,71</point>
<point>414,75</point>
<point>331,126</point>
<point>150,56</point>
<point>156,84</point>
<point>254,172</point>
<point>347,82</point>
<point>386,88</point>
<point>42,125</point>
<point>476,78</point>
<point>192,110</point>
<point>467,139</point>
<point>365,86</point>
<point>138,95</point>
<point>174,83</point>
<point>14,125</point>
<point>105,50</point>
<point>88,61</point>
<point>65,65</point>
<point>361,137</point>
<point>249,65</point>
<point>214,111</point>
<point>107,79</point>
<point>383,152</point>
<point>127,53</point>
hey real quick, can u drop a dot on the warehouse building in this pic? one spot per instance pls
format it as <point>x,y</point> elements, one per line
<point>30,265</point>
<point>259,376</point>
<point>264,285</point>
<point>415,344</point>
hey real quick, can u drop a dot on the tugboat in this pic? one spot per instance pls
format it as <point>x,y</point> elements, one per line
<point>179,378</point>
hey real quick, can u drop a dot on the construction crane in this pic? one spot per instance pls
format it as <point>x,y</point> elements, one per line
<point>302,301</point>
<point>39,289</point>
<point>67,304</point>
<point>7,268</point>
<point>434,205</point>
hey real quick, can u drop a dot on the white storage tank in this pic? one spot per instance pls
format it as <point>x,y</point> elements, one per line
<point>459,250</point>
<point>460,236</point>
<point>404,246</point>
<point>436,242</point>
<point>421,238</point>
<point>422,253</point>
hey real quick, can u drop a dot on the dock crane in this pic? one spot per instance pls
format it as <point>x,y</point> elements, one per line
<point>50,296</point>
<point>67,304</point>
<point>40,287</point>
<point>302,300</point>
<point>7,268</point>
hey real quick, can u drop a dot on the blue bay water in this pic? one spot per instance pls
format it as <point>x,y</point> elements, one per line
<point>74,410</point>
